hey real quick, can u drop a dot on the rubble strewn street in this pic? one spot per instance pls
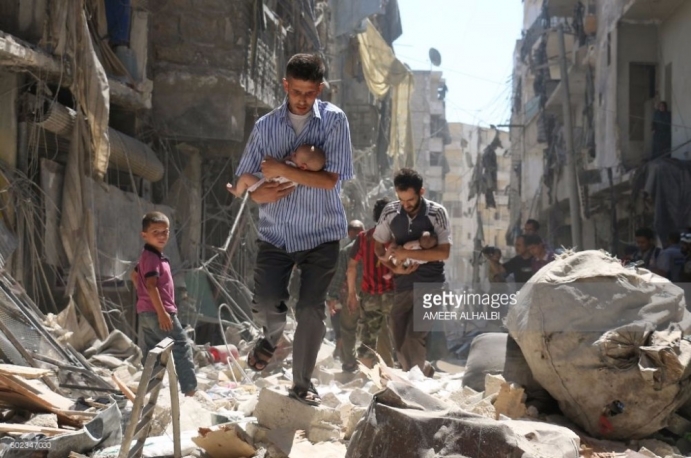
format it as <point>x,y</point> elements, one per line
<point>345,229</point>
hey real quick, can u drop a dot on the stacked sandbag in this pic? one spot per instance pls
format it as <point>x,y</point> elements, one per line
<point>497,353</point>
<point>606,342</point>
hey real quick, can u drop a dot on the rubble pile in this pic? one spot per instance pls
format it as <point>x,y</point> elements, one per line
<point>495,406</point>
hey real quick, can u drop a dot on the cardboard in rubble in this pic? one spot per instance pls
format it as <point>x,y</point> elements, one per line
<point>224,441</point>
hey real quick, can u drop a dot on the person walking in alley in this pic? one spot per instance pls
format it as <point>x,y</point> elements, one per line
<point>300,224</point>
<point>346,320</point>
<point>402,221</point>
<point>156,301</point>
<point>541,256</point>
<point>647,252</point>
<point>376,295</point>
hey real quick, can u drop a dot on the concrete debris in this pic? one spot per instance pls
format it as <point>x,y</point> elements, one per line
<point>510,402</point>
<point>493,384</point>
<point>44,420</point>
<point>275,410</point>
<point>360,397</point>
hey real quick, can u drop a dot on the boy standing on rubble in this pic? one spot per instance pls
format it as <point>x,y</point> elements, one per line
<point>156,300</point>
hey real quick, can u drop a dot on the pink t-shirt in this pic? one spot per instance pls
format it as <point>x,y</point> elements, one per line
<point>152,263</point>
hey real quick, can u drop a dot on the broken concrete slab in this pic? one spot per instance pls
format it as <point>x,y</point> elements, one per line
<point>276,410</point>
<point>427,427</point>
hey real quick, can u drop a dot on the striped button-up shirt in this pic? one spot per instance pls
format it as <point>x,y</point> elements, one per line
<point>308,216</point>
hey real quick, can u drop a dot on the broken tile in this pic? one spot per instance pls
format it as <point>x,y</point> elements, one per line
<point>509,401</point>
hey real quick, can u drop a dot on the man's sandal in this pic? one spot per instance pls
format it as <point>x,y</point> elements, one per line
<point>307,396</point>
<point>259,357</point>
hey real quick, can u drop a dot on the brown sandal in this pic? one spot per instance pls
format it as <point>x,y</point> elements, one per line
<point>307,396</point>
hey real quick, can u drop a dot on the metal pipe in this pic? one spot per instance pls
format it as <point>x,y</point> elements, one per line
<point>571,182</point>
<point>126,153</point>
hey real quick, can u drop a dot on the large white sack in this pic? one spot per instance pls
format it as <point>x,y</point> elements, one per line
<point>594,332</point>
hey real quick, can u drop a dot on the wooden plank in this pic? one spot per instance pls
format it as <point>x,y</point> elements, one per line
<point>24,371</point>
<point>37,392</point>
<point>125,390</point>
<point>15,428</point>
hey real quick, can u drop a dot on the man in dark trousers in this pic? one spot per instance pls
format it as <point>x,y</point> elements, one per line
<point>300,224</point>
<point>403,221</point>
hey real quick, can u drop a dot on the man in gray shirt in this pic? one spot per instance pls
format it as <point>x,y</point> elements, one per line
<point>403,221</point>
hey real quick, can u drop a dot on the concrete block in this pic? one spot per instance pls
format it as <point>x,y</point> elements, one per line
<point>323,432</point>
<point>360,397</point>
<point>493,384</point>
<point>281,439</point>
<point>356,413</point>
<point>276,410</point>
<point>331,400</point>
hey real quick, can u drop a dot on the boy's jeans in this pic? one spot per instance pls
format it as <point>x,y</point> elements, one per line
<point>150,334</point>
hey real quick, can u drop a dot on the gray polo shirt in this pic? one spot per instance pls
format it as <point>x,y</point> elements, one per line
<point>396,225</point>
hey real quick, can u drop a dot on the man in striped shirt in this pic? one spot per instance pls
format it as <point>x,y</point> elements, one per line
<point>297,225</point>
<point>403,221</point>
<point>376,297</point>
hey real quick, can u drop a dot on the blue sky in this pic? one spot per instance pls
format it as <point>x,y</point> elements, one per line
<point>476,39</point>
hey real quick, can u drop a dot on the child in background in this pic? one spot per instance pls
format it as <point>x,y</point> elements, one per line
<point>156,301</point>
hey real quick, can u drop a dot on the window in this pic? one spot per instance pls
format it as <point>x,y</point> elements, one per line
<point>496,216</point>
<point>435,159</point>
<point>457,210</point>
<point>641,90</point>
<point>468,235</point>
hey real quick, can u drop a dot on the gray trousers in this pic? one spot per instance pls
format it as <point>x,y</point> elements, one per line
<point>150,334</point>
<point>411,346</point>
<point>271,277</point>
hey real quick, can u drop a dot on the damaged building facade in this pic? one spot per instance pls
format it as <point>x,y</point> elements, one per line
<point>622,58</point>
<point>112,109</point>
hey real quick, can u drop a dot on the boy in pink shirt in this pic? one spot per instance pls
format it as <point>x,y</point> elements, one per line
<point>156,300</point>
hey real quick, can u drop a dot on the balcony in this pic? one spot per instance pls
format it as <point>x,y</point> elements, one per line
<point>651,10</point>
<point>577,85</point>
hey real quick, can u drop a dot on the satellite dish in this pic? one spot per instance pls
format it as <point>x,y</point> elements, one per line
<point>435,57</point>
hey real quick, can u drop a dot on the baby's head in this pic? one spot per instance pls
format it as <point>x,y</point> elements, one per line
<point>308,157</point>
<point>428,240</point>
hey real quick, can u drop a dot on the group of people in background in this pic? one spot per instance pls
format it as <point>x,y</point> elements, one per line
<point>532,254</point>
<point>672,260</point>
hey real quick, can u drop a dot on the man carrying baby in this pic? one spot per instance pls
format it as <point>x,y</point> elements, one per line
<point>306,157</point>
<point>401,222</point>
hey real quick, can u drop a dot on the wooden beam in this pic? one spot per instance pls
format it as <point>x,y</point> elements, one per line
<point>16,428</point>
